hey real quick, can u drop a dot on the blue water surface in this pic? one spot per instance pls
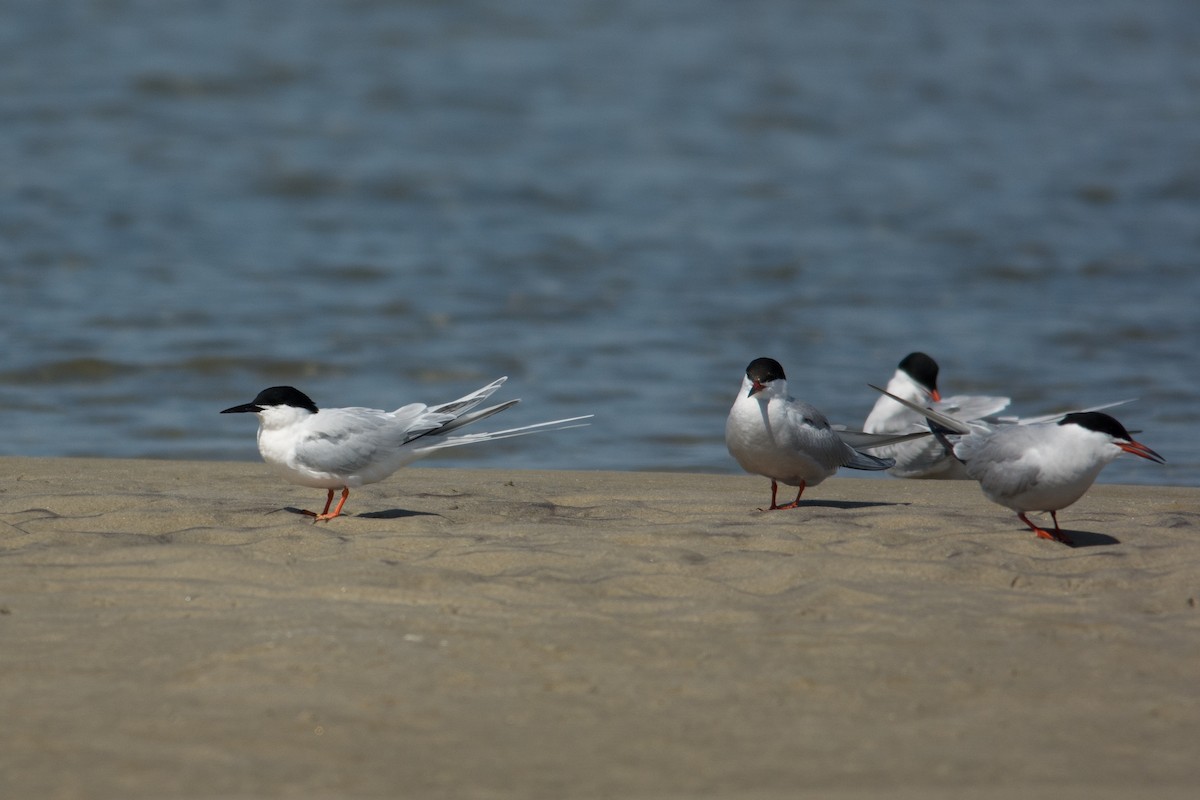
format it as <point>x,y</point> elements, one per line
<point>616,204</point>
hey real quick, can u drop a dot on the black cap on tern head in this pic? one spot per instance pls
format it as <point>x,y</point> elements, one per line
<point>1096,421</point>
<point>1103,423</point>
<point>762,371</point>
<point>922,369</point>
<point>275,396</point>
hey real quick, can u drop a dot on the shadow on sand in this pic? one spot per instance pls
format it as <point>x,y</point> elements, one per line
<point>391,513</point>
<point>843,504</point>
<point>1088,539</point>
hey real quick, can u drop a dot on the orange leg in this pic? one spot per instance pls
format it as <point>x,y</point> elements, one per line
<point>325,515</point>
<point>774,493</point>
<point>328,502</point>
<point>337,512</point>
<point>1056,536</point>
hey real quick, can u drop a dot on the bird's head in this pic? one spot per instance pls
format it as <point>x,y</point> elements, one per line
<point>923,371</point>
<point>762,373</point>
<point>277,403</point>
<point>1104,425</point>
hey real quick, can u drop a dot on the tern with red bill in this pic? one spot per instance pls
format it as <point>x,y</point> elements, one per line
<point>1035,466</point>
<point>770,433</point>
<point>916,380</point>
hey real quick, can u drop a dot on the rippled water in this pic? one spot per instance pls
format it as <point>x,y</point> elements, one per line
<point>616,204</point>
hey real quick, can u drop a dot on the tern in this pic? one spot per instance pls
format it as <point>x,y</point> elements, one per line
<point>915,380</point>
<point>770,433</point>
<point>1039,465</point>
<point>345,448</point>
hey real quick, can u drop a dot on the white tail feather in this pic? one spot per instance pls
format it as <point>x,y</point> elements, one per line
<point>436,442</point>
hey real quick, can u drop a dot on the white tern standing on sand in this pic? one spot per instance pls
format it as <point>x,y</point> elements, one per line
<point>344,448</point>
<point>1036,466</point>
<point>772,434</point>
<point>915,380</point>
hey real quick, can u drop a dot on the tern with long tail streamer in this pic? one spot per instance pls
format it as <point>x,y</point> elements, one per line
<point>1035,466</point>
<point>345,448</point>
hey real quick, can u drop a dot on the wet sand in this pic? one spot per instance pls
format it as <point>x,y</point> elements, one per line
<point>177,630</point>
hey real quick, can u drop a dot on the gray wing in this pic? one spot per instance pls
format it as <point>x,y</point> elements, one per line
<point>1000,460</point>
<point>1056,417</point>
<point>948,423</point>
<point>970,407</point>
<point>829,446</point>
<point>857,460</point>
<point>464,404</point>
<point>348,440</point>
<point>861,440</point>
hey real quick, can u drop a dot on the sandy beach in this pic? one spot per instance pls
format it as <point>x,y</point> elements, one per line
<point>177,630</point>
